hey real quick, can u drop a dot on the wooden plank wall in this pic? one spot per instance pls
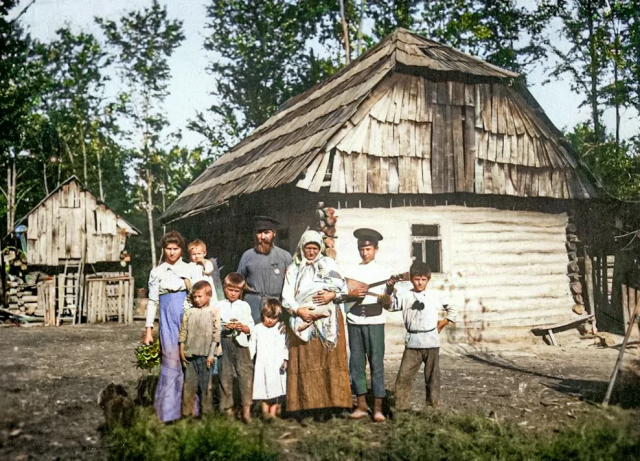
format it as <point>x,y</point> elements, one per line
<point>444,137</point>
<point>506,269</point>
<point>59,227</point>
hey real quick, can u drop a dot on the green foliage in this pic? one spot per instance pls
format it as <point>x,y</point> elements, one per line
<point>266,57</point>
<point>148,355</point>
<point>502,32</point>
<point>429,435</point>
<point>614,165</point>
<point>209,439</point>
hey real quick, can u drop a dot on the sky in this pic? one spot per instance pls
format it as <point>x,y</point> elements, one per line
<point>191,84</point>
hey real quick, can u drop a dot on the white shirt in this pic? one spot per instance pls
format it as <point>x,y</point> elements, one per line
<point>369,273</point>
<point>165,278</point>
<point>196,273</point>
<point>241,312</point>
<point>421,312</point>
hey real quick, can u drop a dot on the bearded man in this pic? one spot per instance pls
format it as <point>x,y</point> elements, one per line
<point>263,266</point>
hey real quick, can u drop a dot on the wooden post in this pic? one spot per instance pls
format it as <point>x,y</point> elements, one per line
<point>120,309</point>
<point>62,293</point>
<point>626,302</point>
<point>588,279</point>
<point>132,287</point>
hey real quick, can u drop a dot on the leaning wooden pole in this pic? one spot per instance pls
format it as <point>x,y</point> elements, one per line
<point>614,375</point>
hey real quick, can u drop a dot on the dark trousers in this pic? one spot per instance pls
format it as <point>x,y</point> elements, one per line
<point>196,382</point>
<point>235,359</point>
<point>411,361</point>
<point>366,342</point>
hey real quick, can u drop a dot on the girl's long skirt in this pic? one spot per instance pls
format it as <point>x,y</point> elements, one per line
<point>168,401</point>
<point>317,377</point>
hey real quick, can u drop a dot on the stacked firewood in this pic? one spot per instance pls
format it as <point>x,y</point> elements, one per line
<point>326,225</point>
<point>23,298</point>
<point>573,245</point>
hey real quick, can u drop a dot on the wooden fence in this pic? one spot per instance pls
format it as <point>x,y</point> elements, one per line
<point>109,298</point>
<point>105,298</point>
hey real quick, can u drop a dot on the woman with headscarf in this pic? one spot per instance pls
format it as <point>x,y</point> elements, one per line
<point>317,376</point>
<point>168,288</point>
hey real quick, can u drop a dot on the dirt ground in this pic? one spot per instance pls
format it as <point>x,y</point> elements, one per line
<point>50,379</point>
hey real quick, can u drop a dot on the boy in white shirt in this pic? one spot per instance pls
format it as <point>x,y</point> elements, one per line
<point>421,310</point>
<point>237,326</point>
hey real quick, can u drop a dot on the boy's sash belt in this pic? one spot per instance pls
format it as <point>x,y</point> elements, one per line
<point>366,310</point>
<point>420,331</point>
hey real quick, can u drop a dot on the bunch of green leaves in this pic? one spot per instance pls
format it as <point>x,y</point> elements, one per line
<point>148,355</point>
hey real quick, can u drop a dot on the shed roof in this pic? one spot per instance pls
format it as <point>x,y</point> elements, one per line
<point>121,222</point>
<point>409,116</point>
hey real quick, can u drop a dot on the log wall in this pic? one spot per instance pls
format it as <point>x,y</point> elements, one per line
<point>506,269</point>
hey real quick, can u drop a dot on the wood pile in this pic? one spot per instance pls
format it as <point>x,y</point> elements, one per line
<point>23,298</point>
<point>579,272</point>
<point>326,225</point>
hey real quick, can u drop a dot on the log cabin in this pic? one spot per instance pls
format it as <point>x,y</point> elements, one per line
<point>449,157</point>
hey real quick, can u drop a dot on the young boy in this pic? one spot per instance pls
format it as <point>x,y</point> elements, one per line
<point>421,311</point>
<point>199,336</point>
<point>237,325</point>
<point>202,268</point>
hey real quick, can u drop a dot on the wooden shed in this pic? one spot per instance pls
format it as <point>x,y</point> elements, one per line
<point>72,224</point>
<point>68,233</point>
<point>448,156</point>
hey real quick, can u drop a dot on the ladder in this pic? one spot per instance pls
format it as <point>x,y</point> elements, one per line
<point>70,287</point>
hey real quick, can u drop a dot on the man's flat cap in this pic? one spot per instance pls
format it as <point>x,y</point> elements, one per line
<point>265,223</point>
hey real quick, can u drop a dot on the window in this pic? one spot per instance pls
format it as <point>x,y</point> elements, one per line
<point>426,245</point>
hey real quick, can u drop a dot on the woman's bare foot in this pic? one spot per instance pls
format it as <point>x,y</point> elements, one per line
<point>361,408</point>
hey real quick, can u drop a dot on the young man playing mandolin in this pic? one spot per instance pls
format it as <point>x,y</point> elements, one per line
<point>365,322</point>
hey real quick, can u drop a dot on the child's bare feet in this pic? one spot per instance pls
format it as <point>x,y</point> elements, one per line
<point>246,414</point>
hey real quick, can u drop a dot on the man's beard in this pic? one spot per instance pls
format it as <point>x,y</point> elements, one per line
<point>264,247</point>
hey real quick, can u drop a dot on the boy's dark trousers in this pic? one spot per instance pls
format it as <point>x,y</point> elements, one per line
<point>411,361</point>
<point>196,382</point>
<point>235,358</point>
<point>367,342</point>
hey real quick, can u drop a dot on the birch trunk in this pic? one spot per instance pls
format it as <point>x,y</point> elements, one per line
<point>152,239</point>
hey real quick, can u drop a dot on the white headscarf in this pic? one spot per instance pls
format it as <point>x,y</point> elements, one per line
<point>309,236</point>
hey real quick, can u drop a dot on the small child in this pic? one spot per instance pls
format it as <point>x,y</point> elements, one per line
<point>269,347</point>
<point>201,268</point>
<point>421,310</point>
<point>199,336</point>
<point>237,325</point>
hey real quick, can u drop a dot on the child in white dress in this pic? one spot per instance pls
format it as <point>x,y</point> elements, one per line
<point>269,348</point>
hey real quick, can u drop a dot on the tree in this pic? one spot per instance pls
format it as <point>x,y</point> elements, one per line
<point>75,101</point>
<point>21,80</point>
<point>266,57</point>
<point>499,31</point>
<point>142,41</point>
<point>584,27</point>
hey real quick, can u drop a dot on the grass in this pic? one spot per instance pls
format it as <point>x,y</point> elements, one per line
<point>610,434</point>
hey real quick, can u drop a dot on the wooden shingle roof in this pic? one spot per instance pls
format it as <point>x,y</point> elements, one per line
<point>409,116</point>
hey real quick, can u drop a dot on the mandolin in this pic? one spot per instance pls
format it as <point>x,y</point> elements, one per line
<point>353,284</point>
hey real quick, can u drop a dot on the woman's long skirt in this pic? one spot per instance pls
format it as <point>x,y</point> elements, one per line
<point>316,376</point>
<point>168,401</point>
